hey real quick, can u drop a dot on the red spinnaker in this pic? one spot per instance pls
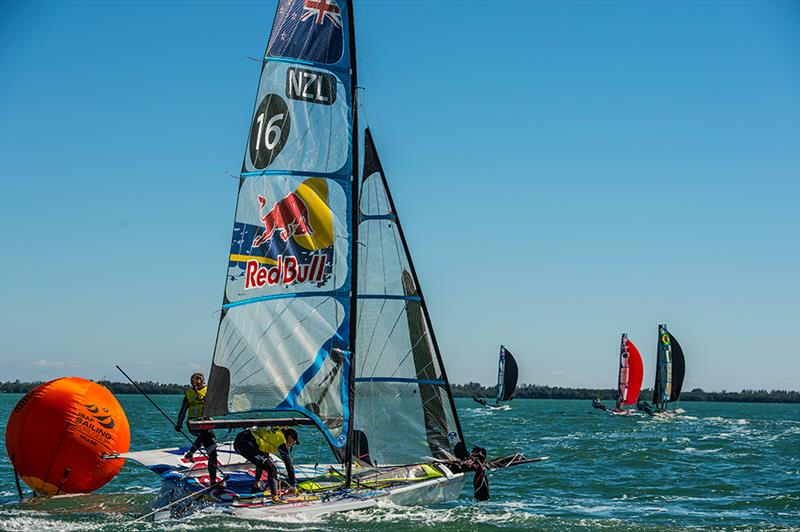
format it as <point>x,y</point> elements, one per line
<point>636,372</point>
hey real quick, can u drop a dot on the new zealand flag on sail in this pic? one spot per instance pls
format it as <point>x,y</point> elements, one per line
<point>307,29</point>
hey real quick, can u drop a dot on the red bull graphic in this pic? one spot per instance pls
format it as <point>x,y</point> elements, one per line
<point>284,236</point>
<point>286,271</point>
<point>289,216</point>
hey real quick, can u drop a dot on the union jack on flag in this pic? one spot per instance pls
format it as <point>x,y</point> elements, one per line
<point>311,30</point>
<point>322,9</point>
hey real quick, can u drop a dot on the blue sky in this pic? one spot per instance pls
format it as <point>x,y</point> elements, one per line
<point>565,171</point>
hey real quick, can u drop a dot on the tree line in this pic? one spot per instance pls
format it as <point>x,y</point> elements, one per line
<point>536,391</point>
<point>148,387</point>
<point>525,391</point>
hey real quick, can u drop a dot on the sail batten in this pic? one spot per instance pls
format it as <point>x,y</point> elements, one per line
<point>401,379</point>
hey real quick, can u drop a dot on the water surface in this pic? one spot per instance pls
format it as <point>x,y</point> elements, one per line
<point>718,466</point>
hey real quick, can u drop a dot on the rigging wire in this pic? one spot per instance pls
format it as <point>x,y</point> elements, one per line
<point>173,503</point>
<point>201,450</point>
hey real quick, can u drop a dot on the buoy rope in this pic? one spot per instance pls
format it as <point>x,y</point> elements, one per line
<point>16,476</point>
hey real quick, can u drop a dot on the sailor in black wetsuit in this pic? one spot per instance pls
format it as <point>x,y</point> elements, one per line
<point>479,400</point>
<point>646,407</point>
<point>598,404</point>
<point>256,444</point>
<point>193,403</point>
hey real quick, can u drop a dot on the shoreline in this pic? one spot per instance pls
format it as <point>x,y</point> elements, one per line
<point>476,390</point>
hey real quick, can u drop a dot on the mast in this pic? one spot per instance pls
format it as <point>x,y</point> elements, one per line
<point>354,250</point>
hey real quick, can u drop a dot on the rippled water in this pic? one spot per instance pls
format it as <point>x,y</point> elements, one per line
<point>720,466</point>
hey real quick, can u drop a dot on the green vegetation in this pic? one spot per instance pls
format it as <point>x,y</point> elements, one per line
<point>149,387</point>
<point>534,391</point>
<point>525,391</point>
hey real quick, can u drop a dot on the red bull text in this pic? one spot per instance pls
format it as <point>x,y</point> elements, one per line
<point>289,216</point>
<point>286,271</point>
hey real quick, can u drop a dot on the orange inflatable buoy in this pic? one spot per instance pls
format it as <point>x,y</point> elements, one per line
<point>58,433</point>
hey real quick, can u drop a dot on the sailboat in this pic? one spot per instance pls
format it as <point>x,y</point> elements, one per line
<point>323,321</point>
<point>507,373</point>
<point>629,382</point>
<point>670,370</point>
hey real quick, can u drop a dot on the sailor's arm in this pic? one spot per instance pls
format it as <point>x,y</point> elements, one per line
<point>182,414</point>
<point>287,461</point>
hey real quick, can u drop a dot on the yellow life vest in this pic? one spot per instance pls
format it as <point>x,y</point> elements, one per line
<point>268,440</point>
<point>196,400</point>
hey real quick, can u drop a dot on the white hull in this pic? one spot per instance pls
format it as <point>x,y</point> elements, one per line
<point>182,478</point>
<point>422,493</point>
<point>498,407</point>
<point>669,413</point>
<point>624,413</point>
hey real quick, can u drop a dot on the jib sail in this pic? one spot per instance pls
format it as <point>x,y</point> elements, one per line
<point>631,372</point>
<point>284,340</point>
<point>404,407</point>
<point>507,374</point>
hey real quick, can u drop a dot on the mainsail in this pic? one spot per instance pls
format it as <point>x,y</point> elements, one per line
<point>507,374</point>
<point>323,313</point>
<point>670,369</point>
<point>678,369</point>
<point>285,336</point>
<point>631,372</point>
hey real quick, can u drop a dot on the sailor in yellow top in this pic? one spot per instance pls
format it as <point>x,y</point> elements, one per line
<point>256,444</point>
<point>193,403</point>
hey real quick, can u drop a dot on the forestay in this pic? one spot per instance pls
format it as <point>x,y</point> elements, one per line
<point>284,339</point>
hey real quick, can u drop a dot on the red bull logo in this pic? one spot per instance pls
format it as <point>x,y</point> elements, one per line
<point>286,271</point>
<point>303,253</point>
<point>289,216</point>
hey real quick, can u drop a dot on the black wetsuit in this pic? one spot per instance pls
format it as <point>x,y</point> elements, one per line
<point>203,438</point>
<point>245,444</point>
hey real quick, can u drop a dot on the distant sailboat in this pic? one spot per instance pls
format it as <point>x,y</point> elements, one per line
<point>629,383</point>
<point>507,374</point>
<point>670,371</point>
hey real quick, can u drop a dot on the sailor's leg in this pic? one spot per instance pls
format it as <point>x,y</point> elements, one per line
<point>198,442</point>
<point>210,444</point>
<point>259,472</point>
<point>272,476</point>
<point>246,446</point>
<point>263,463</point>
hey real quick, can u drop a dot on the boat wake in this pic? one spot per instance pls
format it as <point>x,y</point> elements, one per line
<point>508,514</point>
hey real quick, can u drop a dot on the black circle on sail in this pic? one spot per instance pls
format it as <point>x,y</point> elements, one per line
<point>269,131</point>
